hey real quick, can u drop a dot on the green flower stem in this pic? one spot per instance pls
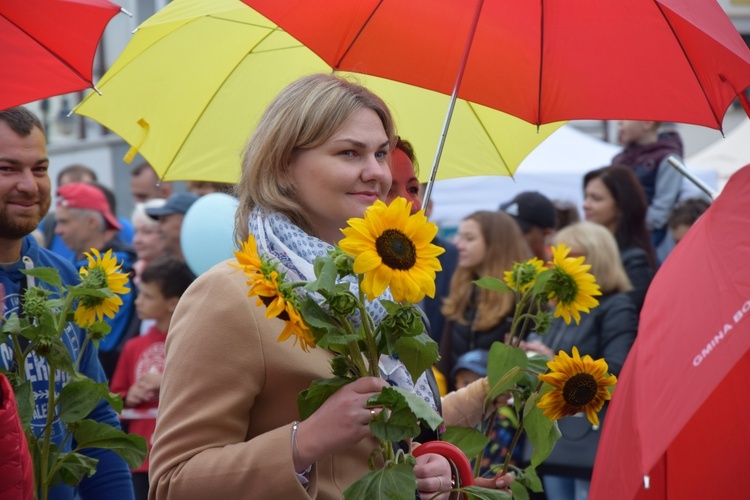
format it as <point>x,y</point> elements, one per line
<point>526,318</point>
<point>489,425</point>
<point>60,320</point>
<point>44,476</point>
<point>513,444</point>
<point>83,348</point>
<point>57,463</point>
<point>519,431</point>
<point>372,348</point>
<point>517,314</point>
<point>20,357</point>
<point>354,351</point>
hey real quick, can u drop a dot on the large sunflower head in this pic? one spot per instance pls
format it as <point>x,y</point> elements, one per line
<point>102,271</point>
<point>268,284</point>
<point>580,384</point>
<point>523,274</point>
<point>571,285</point>
<point>393,248</point>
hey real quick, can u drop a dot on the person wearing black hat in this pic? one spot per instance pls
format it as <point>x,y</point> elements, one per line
<point>537,217</point>
<point>170,217</point>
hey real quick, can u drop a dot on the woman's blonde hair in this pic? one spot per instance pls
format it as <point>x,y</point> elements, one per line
<point>302,116</point>
<point>505,245</point>
<point>599,246</point>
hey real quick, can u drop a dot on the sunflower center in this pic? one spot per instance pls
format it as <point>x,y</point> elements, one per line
<point>580,389</point>
<point>396,250</point>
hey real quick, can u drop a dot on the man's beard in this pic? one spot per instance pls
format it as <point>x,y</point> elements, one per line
<point>16,227</point>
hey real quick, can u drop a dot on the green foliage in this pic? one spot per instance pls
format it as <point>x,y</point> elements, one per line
<point>49,312</point>
<point>504,365</point>
<point>469,440</point>
<point>49,275</point>
<point>74,466</point>
<point>406,411</point>
<point>417,353</point>
<point>492,283</point>
<point>395,482</point>
<point>92,434</point>
<point>541,432</point>
<point>477,493</point>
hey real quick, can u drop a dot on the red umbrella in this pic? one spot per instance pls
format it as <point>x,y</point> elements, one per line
<point>678,419</point>
<point>542,61</point>
<point>48,46</point>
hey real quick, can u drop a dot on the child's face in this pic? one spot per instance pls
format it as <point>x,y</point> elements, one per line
<point>465,377</point>
<point>634,131</point>
<point>151,304</point>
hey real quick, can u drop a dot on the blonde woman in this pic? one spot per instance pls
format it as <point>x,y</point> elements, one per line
<point>228,420</point>
<point>489,243</point>
<point>607,332</point>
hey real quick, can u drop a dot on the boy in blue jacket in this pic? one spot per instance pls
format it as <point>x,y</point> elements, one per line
<point>24,200</point>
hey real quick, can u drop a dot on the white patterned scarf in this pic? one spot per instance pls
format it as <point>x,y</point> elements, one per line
<point>295,251</point>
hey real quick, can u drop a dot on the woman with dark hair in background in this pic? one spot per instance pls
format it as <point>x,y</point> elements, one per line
<point>614,198</point>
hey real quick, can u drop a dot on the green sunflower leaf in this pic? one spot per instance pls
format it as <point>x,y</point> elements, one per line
<point>469,440</point>
<point>541,432</point>
<point>406,411</point>
<point>541,281</point>
<point>479,493</point>
<point>74,466</point>
<point>92,434</point>
<point>396,482</point>
<point>417,353</point>
<point>47,274</point>
<point>504,367</point>
<point>492,283</point>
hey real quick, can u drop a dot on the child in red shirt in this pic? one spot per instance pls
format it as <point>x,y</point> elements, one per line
<point>137,377</point>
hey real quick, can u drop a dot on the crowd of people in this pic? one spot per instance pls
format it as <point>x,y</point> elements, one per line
<point>324,150</point>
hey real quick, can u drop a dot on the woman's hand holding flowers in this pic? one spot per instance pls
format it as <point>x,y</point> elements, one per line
<point>339,423</point>
<point>433,475</point>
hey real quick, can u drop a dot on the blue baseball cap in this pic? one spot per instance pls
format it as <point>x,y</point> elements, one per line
<point>178,203</point>
<point>474,361</point>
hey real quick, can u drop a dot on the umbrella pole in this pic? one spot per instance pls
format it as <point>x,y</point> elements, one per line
<point>454,96</point>
<point>680,167</point>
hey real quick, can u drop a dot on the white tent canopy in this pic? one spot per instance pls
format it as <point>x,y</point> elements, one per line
<point>555,168</point>
<point>727,155</point>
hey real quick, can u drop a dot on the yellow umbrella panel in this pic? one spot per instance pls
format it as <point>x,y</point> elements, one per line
<point>189,88</point>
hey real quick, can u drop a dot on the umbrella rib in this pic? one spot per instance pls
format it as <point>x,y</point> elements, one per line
<point>208,101</point>
<point>51,52</point>
<point>494,145</point>
<point>356,37</point>
<point>541,66</point>
<point>692,67</point>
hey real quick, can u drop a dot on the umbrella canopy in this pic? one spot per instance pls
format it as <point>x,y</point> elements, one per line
<point>48,46</point>
<point>545,61</point>
<point>680,407</point>
<point>189,88</point>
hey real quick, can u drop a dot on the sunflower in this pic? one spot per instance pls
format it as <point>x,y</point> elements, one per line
<point>102,272</point>
<point>265,282</point>
<point>392,248</point>
<point>523,275</point>
<point>571,285</point>
<point>580,385</point>
<point>295,326</point>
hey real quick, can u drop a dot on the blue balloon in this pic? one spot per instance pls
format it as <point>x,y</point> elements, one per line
<point>207,234</point>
